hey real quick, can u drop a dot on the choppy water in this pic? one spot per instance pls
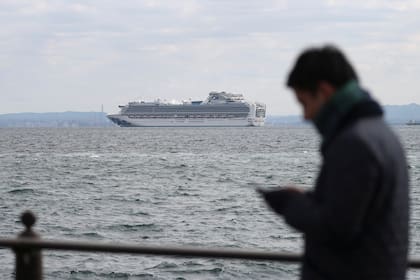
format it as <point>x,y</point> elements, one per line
<point>162,186</point>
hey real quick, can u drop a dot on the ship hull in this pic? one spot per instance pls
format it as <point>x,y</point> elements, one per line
<point>125,121</point>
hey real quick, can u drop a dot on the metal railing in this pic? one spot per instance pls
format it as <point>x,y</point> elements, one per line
<point>27,248</point>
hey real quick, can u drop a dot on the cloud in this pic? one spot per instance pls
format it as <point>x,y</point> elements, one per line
<point>65,55</point>
<point>397,5</point>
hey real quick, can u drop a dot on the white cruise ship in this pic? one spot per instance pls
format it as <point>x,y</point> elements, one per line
<point>219,109</point>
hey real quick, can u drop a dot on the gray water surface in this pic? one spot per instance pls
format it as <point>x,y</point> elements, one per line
<point>163,186</point>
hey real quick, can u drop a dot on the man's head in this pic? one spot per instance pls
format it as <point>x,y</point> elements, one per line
<point>317,74</point>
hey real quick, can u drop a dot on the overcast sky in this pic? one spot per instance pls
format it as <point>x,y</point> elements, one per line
<point>77,55</point>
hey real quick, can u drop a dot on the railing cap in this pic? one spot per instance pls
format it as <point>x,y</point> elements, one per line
<point>28,219</point>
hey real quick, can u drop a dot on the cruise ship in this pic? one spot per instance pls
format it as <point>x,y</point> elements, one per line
<point>413,122</point>
<point>219,109</point>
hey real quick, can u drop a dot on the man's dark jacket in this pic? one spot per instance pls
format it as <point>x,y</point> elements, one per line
<point>355,221</point>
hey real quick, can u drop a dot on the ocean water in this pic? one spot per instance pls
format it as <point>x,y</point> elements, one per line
<point>163,186</point>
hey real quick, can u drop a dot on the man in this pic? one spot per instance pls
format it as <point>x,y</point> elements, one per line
<point>355,220</point>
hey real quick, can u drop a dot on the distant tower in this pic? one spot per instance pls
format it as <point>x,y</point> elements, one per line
<point>100,123</point>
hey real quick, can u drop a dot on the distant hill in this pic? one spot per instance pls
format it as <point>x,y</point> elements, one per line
<point>401,114</point>
<point>394,114</point>
<point>285,120</point>
<point>58,119</point>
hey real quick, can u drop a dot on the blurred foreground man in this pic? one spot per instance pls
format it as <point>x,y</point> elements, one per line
<point>355,220</point>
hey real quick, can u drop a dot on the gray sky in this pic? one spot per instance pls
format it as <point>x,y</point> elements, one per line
<point>77,55</point>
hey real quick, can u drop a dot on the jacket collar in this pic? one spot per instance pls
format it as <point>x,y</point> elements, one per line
<point>348,104</point>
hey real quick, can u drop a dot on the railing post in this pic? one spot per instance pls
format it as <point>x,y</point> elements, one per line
<point>28,261</point>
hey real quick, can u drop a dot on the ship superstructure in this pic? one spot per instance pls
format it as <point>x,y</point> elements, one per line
<point>219,109</point>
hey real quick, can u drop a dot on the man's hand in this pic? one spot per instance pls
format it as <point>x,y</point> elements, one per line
<point>277,198</point>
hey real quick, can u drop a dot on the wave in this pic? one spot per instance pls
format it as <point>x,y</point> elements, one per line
<point>189,267</point>
<point>135,227</point>
<point>88,274</point>
<point>22,191</point>
<point>92,234</point>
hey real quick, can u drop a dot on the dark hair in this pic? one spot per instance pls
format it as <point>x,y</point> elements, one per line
<point>326,63</point>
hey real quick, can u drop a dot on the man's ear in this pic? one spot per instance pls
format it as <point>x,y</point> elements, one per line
<point>326,89</point>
